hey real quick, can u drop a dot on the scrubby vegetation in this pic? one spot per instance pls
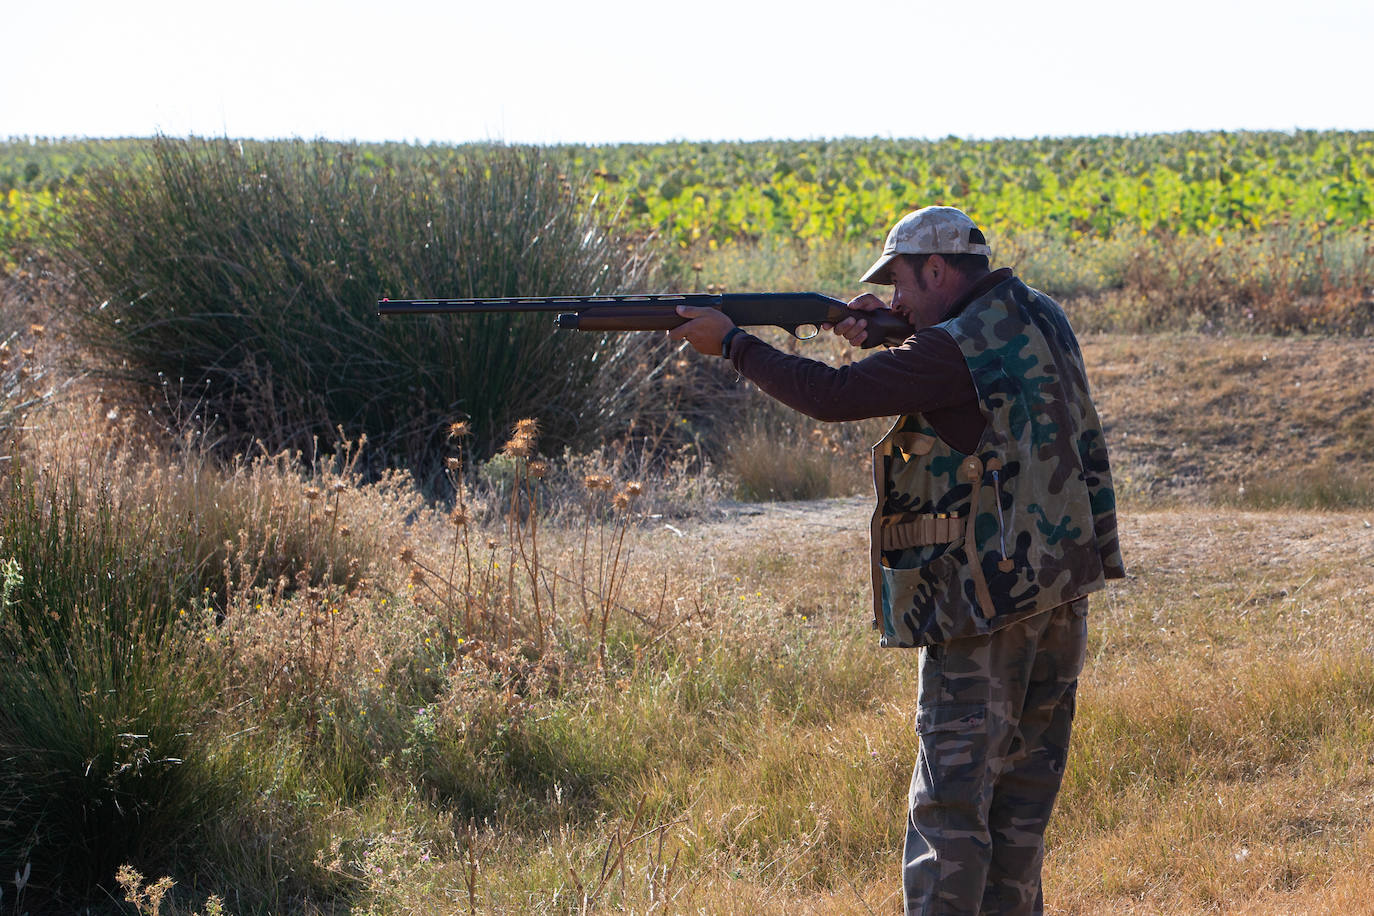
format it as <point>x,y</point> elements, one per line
<point>253,664</point>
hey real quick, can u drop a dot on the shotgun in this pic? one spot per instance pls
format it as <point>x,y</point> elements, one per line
<point>800,314</point>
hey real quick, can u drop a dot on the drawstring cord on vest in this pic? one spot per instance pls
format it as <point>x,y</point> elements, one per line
<point>1001,523</point>
<point>1006,564</point>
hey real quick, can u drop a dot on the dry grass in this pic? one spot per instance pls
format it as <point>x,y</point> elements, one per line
<point>1220,764</point>
<point>1221,756</point>
<point>675,705</point>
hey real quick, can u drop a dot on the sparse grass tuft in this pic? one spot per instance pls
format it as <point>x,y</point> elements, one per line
<point>23,373</point>
<point>1322,488</point>
<point>787,461</point>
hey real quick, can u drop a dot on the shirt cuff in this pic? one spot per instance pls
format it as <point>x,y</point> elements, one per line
<point>727,340</point>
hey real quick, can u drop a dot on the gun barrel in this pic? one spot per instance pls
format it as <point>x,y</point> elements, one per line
<point>534,303</point>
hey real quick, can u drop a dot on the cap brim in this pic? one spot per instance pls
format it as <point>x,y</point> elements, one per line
<point>878,272</point>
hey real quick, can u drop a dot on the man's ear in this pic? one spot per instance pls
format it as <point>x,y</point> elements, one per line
<point>939,268</point>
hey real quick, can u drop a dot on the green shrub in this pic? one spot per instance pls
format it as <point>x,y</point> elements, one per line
<point>250,272</point>
<point>101,697</point>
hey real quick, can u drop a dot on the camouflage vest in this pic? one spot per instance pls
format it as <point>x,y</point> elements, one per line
<point>966,544</point>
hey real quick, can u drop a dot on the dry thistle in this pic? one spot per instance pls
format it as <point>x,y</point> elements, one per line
<point>338,486</point>
<point>620,501</point>
<point>37,330</point>
<point>416,576</point>
<point>459,517</point>
<point>458,429</point>
<point>597,482</point>
<point>523,439</point>
<point>518,447</point>
<point>452,463</point>
<point>538,468</point>
<point>407,555</point>
<point>312,493</point>
<point>634,488</point>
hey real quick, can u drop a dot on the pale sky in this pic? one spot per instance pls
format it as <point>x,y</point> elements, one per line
<point>618,71</point>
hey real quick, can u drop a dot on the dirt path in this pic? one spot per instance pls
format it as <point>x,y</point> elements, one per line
<point>1207,544</point>
<point>732,524</point>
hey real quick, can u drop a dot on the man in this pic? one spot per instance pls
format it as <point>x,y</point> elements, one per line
<point>995,519</point>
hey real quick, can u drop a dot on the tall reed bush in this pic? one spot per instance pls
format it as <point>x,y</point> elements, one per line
<point>250,271</point>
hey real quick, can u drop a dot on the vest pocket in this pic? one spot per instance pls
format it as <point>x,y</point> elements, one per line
<point>921,600</point>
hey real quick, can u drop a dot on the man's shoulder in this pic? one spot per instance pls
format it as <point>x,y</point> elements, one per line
<point>1000,293</point>
<point>1005,314</point>
<point>1014,289</point>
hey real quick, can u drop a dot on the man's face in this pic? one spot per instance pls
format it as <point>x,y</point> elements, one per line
<point>921,302</point>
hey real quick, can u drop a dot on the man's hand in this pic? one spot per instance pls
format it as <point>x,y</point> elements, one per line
<point>855,330</point>
<point>704,331</point>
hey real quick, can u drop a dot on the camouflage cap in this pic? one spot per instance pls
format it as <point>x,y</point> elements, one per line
<point>929,230</point>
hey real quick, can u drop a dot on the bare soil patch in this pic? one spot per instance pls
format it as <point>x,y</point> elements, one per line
<point>1187,415</point>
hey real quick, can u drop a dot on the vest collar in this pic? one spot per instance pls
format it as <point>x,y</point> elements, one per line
<point>988,283</point>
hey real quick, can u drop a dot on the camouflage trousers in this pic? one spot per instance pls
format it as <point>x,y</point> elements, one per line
<point>993,715</point>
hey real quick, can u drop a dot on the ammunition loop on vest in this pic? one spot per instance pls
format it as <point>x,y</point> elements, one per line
<point>898,532</point>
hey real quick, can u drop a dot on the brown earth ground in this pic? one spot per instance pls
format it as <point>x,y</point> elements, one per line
<point>1190,416</point>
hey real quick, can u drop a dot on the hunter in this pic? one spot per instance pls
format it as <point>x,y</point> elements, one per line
<point>995,519</point>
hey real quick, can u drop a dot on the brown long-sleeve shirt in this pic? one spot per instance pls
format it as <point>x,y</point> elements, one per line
<point>926,375</point>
